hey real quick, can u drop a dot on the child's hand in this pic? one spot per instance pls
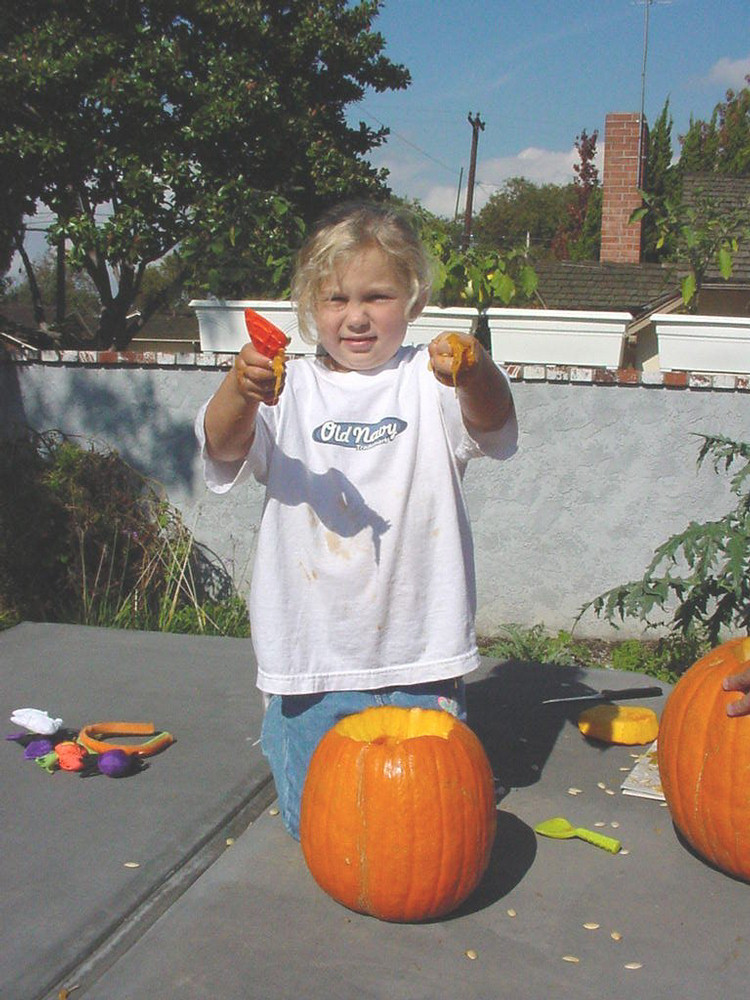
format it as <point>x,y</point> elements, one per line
<point>738,682</point>
<point>258,379</point>
<point>483,393</point>
<point>453,356</point>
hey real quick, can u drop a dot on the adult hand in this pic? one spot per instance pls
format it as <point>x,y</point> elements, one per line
<point>738,682</point>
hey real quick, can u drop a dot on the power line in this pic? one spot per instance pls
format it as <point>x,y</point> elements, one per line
<point>413,145</point>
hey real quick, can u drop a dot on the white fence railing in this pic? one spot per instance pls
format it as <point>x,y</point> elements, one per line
<point>521,336</point>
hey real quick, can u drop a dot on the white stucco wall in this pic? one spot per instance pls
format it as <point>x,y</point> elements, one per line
<point>605,472</point>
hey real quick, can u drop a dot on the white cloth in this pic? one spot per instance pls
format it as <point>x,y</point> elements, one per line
<point>364,570</point>
<point>36,720</point>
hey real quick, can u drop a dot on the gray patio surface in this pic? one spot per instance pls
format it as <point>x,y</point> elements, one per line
<point>221,904</point>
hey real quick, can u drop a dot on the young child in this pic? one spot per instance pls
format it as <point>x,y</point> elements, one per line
<point>363,587</point>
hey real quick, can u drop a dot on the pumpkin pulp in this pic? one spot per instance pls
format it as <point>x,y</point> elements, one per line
<point>464,355</point>
<point>277,364</point>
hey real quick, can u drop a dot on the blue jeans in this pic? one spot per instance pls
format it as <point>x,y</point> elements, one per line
<point>294,725</point>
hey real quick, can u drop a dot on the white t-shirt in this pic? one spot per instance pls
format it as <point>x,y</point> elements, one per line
<point>364,569</point>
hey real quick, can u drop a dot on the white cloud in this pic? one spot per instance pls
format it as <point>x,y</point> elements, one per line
<point>412,177</point>
<point>730,72</point>
<point>441,199</point>
<point>542,166</point>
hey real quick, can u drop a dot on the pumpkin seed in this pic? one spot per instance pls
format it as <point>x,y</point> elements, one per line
<point>571,958</point>
<point>633,965</point>
<point>599,823</point>
<point>616,936</point>
<point>471,954</point>
<point>512,913</point>
<point>608,791</point>
<point>600,784</point>
<point>614,824</point>
<point>131,864</point>
<point>273,811</point>
<point>591,926</point>
<point>574,791</point>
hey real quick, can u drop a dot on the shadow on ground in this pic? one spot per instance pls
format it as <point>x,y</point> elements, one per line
<point>518,731</point>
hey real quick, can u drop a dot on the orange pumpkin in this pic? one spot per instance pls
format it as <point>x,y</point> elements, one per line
<point>398,813</point>
<point>704,760</point>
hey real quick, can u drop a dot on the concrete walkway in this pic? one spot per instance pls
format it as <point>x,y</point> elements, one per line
<point>222,905</point>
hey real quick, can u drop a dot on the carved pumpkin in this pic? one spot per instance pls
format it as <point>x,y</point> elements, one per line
<point>704,760</point>
<point>398,813</point>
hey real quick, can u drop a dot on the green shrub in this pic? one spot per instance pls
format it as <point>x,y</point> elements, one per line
<point>86,539</point>
<point>703,572</point>
<point>666,658</point>
<point>536,645</point>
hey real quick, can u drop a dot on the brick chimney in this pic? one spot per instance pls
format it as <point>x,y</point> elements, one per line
<point>621,240</point>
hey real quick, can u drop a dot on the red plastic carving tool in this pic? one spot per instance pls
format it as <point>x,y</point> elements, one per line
<point>267,339</point>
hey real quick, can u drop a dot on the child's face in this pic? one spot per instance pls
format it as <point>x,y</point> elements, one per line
<point>362,315</point>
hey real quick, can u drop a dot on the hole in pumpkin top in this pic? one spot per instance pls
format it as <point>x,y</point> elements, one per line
<point>389,725</point>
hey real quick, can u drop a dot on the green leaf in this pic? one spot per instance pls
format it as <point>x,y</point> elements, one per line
<point>504,287</point>
<point>528,280</point>
<point>724,259</point>
<point>688,287</point>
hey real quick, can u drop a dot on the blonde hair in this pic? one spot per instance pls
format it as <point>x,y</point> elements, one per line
<point>344,232</point>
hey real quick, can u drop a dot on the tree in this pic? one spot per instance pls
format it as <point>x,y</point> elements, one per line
<point>698,147</point>
<point>575,240</point>
<point>80,294</point>
<point>703,233</point>
<point>661,180</point>
<point>722,144</point>
<point>733,131</point>
<point>522,212</point>
<point>695,226</point>
<point>212,126</point>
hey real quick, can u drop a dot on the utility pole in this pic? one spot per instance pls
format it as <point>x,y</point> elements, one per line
<point>476,125</point>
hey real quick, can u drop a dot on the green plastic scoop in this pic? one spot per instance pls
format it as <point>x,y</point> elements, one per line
<point>561,829</point>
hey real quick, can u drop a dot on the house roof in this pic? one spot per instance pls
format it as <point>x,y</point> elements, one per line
<point>724,194</point>
<point>602,287</point>
<point>645,287</point>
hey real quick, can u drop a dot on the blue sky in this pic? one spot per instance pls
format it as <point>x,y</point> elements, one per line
<point>539,73</point>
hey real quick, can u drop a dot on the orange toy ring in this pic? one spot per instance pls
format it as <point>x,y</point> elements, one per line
<point>90,737</point>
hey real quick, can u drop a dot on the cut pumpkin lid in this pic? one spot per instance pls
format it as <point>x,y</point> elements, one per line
<point>627,724</point>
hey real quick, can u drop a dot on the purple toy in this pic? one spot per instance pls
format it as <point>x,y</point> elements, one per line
<point>38,748</point>
<point>115,763</point>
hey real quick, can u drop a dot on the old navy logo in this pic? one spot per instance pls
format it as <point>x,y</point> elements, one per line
<point>353,435</point>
